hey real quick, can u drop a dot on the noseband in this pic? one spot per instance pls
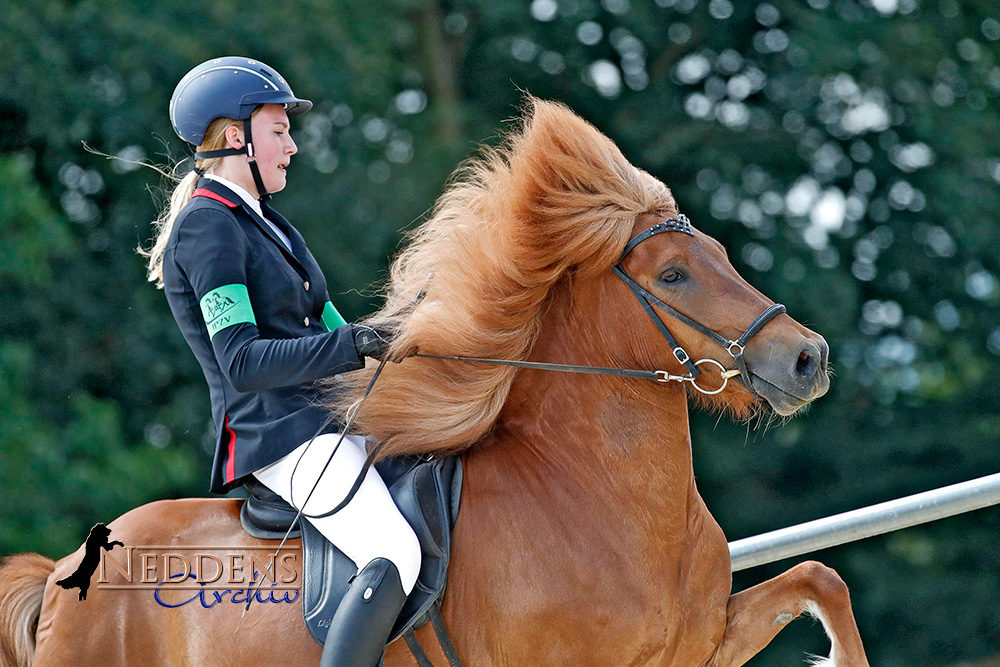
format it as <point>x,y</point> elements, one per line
<point>735,348</point>
<point>647,300</point>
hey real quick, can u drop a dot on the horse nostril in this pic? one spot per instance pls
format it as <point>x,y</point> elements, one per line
<point>805,365</point>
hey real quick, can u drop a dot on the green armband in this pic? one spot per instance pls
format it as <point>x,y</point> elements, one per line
<point>225,306</point>
<point>331,318</point>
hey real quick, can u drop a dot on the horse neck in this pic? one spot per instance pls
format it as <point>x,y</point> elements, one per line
<point>619,441</point>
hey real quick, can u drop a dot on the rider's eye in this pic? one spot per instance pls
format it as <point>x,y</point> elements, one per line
<point>671,276</point>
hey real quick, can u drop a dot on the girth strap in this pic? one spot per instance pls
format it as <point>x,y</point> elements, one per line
<point>442,634</point>
<point>416,649</point>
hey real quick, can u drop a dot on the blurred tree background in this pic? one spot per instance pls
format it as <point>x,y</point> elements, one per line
<point>847,152</point>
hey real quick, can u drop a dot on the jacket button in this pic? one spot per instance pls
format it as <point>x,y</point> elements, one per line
<point>305,285</point>
<point>306,321</point>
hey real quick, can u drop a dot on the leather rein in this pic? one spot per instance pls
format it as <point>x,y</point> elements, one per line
<point>647,300</point>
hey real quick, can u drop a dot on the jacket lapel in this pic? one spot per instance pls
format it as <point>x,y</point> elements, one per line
<point>299,248</point>
<point>297,243</point>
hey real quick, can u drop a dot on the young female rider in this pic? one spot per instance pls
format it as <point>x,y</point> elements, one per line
<point>252,304</point>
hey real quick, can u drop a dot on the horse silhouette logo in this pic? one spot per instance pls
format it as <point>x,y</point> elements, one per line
<point>215,305</point>
<point>97,540</point>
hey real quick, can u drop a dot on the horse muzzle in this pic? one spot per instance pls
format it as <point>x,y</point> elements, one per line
<point>789,377</point>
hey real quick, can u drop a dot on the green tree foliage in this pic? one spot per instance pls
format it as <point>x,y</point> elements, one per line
<point>845,151</point>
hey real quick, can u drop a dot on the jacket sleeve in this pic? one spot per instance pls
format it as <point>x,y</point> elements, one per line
<point>211,250</point>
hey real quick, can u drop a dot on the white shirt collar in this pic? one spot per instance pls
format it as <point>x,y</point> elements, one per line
<point>244,195</point>
<point>255,205</point>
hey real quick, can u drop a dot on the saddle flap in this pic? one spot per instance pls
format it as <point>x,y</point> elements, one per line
<point>427,495</point>
<point>423,502</point>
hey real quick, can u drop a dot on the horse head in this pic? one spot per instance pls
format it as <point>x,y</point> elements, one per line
<point>690,286</point>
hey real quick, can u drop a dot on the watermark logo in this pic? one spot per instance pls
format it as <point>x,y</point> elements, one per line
<point>97,540</point>
<point>178,575</point>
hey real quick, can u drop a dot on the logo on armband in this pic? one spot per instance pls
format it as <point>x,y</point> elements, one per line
<point>226,306</point>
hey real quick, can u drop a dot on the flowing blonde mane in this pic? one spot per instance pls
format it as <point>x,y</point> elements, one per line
<point>557,196</point>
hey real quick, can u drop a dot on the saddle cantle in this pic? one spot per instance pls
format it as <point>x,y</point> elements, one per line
<point>427,493</point>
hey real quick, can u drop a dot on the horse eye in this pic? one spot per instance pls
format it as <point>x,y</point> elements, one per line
<point>671,276</point>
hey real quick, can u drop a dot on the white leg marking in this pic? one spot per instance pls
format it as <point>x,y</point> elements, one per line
<point>813,609</point>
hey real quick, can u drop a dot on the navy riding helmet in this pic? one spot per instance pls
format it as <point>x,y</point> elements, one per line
<point>230,87</point>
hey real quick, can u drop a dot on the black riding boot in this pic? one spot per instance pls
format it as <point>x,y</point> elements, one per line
<point>364,619</point>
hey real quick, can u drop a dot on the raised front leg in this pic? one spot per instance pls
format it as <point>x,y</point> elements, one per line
<point>756,615</point>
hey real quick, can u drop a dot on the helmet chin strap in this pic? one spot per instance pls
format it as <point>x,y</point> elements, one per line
<point>262,194</point>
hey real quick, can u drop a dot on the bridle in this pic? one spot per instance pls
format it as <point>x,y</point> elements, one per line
<point>647,300</point>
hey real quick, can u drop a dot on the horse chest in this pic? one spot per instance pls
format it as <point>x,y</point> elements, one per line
<point>545,600</point>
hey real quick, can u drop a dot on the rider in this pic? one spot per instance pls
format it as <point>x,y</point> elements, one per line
<point>253,306</point>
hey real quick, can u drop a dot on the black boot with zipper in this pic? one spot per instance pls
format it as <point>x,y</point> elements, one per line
<point>360,628</point>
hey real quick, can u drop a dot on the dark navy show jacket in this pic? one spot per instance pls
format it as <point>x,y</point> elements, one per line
<point>253,314</point>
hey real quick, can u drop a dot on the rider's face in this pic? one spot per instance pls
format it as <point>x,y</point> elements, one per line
<point>273,148</point>
<point>273,145</point>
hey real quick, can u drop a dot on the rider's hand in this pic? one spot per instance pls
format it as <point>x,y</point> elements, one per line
<point>371,341</point>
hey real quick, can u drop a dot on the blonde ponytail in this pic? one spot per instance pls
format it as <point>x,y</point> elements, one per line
<point>179,198</point>
<point>180,195</point>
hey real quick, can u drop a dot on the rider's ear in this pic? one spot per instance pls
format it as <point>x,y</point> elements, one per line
<point>234,136</point>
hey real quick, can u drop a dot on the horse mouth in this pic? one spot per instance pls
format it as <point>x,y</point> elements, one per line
<point>779,400</point>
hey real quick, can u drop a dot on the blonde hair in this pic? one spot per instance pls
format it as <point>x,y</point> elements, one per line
<point>557,198</point>
<point>180,195</point>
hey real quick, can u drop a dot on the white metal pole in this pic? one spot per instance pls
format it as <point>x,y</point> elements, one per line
<point>865,522</point>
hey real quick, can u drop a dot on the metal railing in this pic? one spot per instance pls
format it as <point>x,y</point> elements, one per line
<point>865,522</point>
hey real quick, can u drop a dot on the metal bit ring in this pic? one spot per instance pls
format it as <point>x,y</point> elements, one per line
<point>723,371</point>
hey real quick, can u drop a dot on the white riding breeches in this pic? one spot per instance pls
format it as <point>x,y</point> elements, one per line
<point>370,526</point>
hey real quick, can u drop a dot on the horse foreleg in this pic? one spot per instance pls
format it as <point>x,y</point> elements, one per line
<point>756,615</point>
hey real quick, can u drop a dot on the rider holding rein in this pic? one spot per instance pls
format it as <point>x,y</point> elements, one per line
<point>253,305</point>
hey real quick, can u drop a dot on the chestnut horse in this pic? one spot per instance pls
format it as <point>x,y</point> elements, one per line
<point>582,539</point>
